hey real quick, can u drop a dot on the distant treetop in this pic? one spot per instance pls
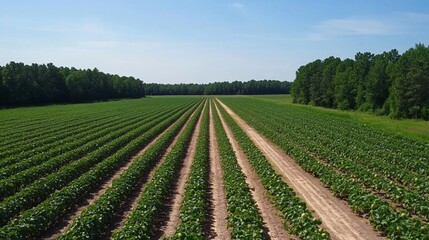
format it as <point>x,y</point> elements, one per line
<point>34,84</point>
<point>220,88</point>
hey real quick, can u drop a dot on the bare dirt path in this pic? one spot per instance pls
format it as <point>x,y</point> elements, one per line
<point>67,220</point>
<point>270,215</point>
<point>173,219</point>
<point>133,201</point>
<point>337,217</point>
<point>220,212</point>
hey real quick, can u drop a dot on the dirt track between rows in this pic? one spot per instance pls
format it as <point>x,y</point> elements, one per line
<point>337,217</point>
<point>220,212</point>
<point>66,221</point>
<point>270,215</point>
<point>133,203</point>
<point>173,219</point>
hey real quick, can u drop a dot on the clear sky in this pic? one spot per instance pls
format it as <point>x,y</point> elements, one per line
<point>204,41</point>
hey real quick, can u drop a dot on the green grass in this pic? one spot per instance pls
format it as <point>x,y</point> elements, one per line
<point>417,129</point>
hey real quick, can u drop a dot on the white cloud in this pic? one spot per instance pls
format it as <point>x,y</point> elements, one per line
<point>353,27</point>
<point>389,24</point>
<point>415,16</point>
<point>349,27</point>
<point>236,5</point>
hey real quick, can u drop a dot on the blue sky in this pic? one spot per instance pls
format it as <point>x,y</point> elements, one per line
<point>204,41</point>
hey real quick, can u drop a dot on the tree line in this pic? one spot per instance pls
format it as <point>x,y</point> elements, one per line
<point>387,83</point>
<point>218,88</point>
<point>22,84</point>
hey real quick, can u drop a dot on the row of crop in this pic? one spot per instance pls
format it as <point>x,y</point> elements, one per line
<point>392,155</point>
<point>339,143</point>
<point>406,153</point>
<point>400,151</point>
<point>379,139</point>
<point>43,146</point>
<point>93,221</point>
<point>26,149</point>
<point>87,134</point>
<point>21,179</point>
<point>41,189</point>
<point>195,204</point>
<point>243,214</point>
<point>37,220</point>
<point>293,209</point>
<point>30,128</point>
<point>22,121</point>
<point>18,118</point>
<point>20,145</point>
<point>35,133</point>
<point>396,225</point>
<point>19,121</point>
<point>63,133</point>
<point>140,222</point>
<point>60,118</point>
<point>340,139</point>
<point>414,202</point>
<point>62,145</point>
<point>369,172</point>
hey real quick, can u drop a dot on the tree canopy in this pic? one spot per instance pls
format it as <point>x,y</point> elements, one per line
<point>22,84</point>
<point>386,83</point>
<point>218,88</point>
<point>35,84</point>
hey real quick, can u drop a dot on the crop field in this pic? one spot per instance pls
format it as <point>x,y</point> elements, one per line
<point>227,167</point>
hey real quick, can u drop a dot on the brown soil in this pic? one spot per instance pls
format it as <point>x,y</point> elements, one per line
<point>67,220</point>
<point>91,197</point>
<point>337,217</point>
<point>270,215</point>
<point>220,212</point>
<point>173,219</point>
<point>133,201</point>
<point>380,193</point>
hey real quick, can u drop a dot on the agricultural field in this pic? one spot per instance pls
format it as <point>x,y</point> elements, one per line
<point>230,167</point>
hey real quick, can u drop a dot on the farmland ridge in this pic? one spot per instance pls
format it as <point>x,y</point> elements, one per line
<point>227,167</point>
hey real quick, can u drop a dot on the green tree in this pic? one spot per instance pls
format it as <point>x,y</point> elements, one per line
<point>363,62</point>
<point>410,91</point>
<point>315,77</point>
<point>327,86</point>
<point>345,85</point>
<point>301,86</point>
<point>75,83</point>
<point>379,81</point>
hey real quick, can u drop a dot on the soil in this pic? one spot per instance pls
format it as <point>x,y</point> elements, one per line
<point>273,223</point>
<point>173,219</point>
<point>337,217</point>
<point>67,220</point>
<point>133,201</point>
<point>220,212</point>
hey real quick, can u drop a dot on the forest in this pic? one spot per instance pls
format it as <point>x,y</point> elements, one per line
<point>35,84</point>
<point>220,88</point>
<point>39,84</point>
<point>387,83</point>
